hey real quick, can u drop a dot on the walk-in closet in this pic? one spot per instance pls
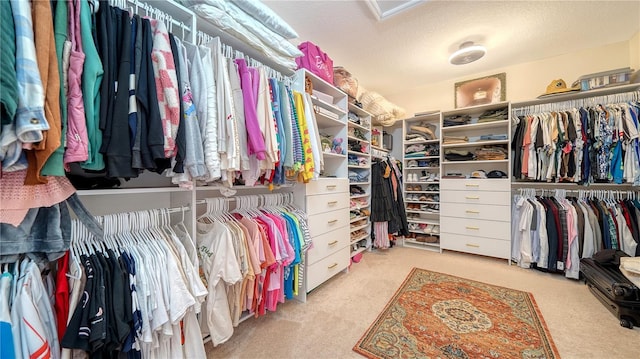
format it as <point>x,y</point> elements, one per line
<point>310,179</point>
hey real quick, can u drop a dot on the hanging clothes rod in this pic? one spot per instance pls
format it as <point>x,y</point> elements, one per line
<point>630,96</point>
<point>137,7</point>
<point>230,53</point>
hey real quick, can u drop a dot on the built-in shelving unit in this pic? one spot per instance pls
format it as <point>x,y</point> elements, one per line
<point>359,158</point>
<point>421,187</point>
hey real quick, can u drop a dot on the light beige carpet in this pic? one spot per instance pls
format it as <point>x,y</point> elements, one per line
<point>338,312</point>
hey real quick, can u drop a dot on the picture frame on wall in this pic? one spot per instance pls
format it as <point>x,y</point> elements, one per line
<point>481,91</point>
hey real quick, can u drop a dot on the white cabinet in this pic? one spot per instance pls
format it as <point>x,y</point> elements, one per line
<point>326,199</point>
<point>476,207</point>
<point>421,188</point>
<point>328,217</point>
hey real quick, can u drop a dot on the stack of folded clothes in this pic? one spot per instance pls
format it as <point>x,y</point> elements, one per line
<point>355,176</point>
<point>454,139</point>
<point>491,153</point>
<point>418,150</point>
<point>423,131</point>
<point>417,137</point>
<point>456,120</point>
<point>458,155</point>
<point>494,115</point>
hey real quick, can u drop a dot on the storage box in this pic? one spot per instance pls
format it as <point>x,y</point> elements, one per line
<point>323,97</point>
<point>605,79</point>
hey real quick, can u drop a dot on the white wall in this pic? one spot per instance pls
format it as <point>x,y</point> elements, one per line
<point>528,80</point>
<point>634,51</point>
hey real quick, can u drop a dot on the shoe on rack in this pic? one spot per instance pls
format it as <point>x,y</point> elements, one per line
<point>428,229</point>
<point>435,230</point>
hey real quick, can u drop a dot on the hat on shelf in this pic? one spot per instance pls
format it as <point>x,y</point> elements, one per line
<point>478,174</point>
<point>496,174</point>
<point>558,86</point>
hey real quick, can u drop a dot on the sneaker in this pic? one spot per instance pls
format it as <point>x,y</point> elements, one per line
<point>435,230</point>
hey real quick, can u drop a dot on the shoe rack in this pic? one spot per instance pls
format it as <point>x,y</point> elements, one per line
<point>359,166</point>
<point>421,187</point>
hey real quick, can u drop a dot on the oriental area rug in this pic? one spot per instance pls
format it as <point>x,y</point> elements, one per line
<point>435,315</point>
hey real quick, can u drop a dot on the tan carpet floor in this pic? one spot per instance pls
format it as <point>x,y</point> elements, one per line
<point>338,312</point>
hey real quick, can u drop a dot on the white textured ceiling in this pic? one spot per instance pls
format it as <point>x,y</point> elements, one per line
<point>411,48</point>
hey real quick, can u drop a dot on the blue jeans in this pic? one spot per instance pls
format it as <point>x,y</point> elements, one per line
<point>45,233</point>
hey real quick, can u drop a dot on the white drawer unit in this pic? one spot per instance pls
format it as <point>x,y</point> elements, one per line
<point>328,221</point>
<point>476,211</point>
<point>475,216</point>
<point>494,184</point>
<point>328,243</point>
<point>327,185</point>
<point>476,245</point>
<point>476,228</point>
<point>476,197</point>
<point>326,203</point>
<point>321,271</point>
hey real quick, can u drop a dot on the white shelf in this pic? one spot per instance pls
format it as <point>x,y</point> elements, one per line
<point>477,143</point>
<point>360,196</point>
<point>425,244</point>
<point>328,106</point>
<point>356,125</point>
<point>324,121</point>
<point>416,192</point>
<point>359,183</point>
<point>358,166</point>
<point>379,148</point>
<point>413,220</point>
<point>578,95</point>
<point>357,153</point>
<point>421,202</point>
<point>422,158</point>
<point>427,116</point>
<point>354,241</point>
<point>356,219</point>
<point>358,251</point>
<point>358,111</point>
<point>359,227</point>
<point>474,162</point>
<point>425,182</point>
<point>353,138</point>
<point>421,142</point>
<point>417,231</point>
<point>476,126</point>
<point>421,168</point>
<point>475,109</point>
<point>125,191</point>
<point>333,155</point>
<point>419,211</point>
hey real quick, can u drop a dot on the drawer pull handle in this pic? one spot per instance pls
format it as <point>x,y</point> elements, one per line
<point>474,228</point>
<point>472,212</point>
<point>472,197</point>
<point>332,221</point>
<point>333,243</point>
<point>331,186</point>
<point>332,203</point>
<point>472,245</point>
<point>332,266</point>
<point>472,185</point>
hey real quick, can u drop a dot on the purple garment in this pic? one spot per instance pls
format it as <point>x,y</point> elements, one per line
<point>256,142</point>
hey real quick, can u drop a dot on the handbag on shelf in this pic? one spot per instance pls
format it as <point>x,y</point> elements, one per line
<point>316,61</point>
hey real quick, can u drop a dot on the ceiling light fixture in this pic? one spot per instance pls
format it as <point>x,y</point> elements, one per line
<point>467,53</point>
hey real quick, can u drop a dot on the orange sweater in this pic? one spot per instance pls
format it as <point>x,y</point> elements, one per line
<point>48,66</point>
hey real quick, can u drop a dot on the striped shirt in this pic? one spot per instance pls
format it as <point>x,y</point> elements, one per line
<point>30,119</point>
